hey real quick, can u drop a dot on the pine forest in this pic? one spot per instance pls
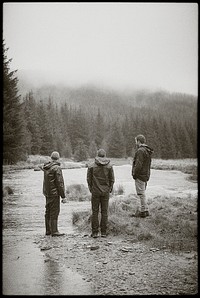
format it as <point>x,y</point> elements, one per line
<point>78,121</point>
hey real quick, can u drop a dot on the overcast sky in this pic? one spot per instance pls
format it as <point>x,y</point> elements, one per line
<point>123,45</point>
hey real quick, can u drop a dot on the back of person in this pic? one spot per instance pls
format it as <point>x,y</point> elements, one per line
<point>51,176</point>
<point>102,175</point>
<point>142,162</point>
<point>100,179</point>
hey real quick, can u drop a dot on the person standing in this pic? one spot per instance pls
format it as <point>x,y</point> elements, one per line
<point>53,189</point>
<point>141,172</point>
<point>100,179</point>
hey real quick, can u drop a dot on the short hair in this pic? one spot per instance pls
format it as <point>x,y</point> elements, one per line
<point>141,138</point>
<point>101,153</point>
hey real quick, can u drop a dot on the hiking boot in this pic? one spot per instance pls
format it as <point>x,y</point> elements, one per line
<point>54,229</point>
<point>103,235</point>
<point>57,234</point>
<point>142,214</point>
<point>95,235</point>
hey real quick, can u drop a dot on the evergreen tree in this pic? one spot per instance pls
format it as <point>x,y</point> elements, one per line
<point>32,126</point>
<point>13,124</point>
<point>116,145</point>
<point>99,126</point>
<point>81,151</point>
<point>92,149</point>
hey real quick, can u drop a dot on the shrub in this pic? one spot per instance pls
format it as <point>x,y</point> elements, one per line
<point>77,192</point>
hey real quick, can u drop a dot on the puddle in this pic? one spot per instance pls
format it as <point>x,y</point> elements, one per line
<point>25,272</point>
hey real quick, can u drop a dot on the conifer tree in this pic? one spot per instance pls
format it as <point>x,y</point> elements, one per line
<point>116,145</point>
<point>13,124</point>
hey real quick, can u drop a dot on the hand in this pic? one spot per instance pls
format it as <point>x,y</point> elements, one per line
<point>64,200</point>
<point>134,177</point>
<point>111,189</point>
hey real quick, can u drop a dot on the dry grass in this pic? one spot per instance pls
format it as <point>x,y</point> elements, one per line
<point>172,222</point>
<point>77,192</point>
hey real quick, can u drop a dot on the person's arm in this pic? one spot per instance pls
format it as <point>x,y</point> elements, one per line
<point>89,178</point>
<point>60,183</point>
<point>137,164</point>
<point>111,178</point>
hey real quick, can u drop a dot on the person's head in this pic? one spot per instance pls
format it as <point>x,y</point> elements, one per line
<point>55,155</point>
<point>101,153</point>
<point>140,139</point>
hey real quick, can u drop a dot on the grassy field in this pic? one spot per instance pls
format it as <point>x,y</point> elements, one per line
<point>172,223</point>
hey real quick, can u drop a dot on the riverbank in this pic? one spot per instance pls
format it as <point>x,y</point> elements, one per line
<point>119,266</point>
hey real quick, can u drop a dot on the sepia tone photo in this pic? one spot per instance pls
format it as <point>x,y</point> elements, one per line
<point>99,168</point>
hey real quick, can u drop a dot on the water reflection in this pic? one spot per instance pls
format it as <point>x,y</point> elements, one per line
<point>59,280</point>
<point>25,271</point>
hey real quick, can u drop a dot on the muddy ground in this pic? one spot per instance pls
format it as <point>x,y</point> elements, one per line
<point>118,266</point>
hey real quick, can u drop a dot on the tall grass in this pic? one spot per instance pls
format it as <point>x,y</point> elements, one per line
<point>172,222</point>
<point>77,192</point>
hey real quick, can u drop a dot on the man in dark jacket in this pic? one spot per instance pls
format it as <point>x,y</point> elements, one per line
<point>53,189</point>
<point>100,179</point>
<point>141,172</point>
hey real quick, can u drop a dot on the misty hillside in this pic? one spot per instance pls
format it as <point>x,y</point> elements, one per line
<point>108,100</point>
<point>76,121</point>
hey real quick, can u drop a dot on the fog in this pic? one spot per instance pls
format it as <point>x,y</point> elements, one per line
<point>121,45</point>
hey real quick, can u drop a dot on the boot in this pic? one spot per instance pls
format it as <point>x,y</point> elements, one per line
<point>47,226</point>
<point>54,228</point>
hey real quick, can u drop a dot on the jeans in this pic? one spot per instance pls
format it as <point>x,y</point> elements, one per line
<point>102,201</point>
<point>140,190</point>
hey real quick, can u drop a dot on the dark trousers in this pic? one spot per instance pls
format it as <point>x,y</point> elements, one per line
<point>52,207</point>
<point>99,201</point>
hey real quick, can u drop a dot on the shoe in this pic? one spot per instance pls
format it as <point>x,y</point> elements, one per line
<point>95,235</point>
<point>103,235</point>
<point>48,233</point>
<point>141,214</point>
<point>57,234</point>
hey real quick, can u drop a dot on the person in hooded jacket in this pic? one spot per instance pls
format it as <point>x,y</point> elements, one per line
<point>141,172</point>
<point>53,189</point>
<point>100,179</point>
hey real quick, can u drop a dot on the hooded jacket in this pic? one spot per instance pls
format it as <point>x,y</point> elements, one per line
<point>142,163</point>
<point>100,176</point>
<point>53,184</point>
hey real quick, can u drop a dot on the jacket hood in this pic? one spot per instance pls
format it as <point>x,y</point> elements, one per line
<point>147,148</point>
<point>101,161</point>
<point>49,164</point>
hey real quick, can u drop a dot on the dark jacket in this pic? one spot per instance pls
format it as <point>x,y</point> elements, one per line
<point>53,184</point>
<point>100,176</point>
<point>142,163</point>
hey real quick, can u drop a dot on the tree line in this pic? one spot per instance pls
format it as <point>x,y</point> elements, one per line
<point>35,125</point>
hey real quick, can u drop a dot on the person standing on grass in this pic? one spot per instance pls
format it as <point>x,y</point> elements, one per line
<point>100,179</point>
<point>53,189</point>
<point>141,172</point>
